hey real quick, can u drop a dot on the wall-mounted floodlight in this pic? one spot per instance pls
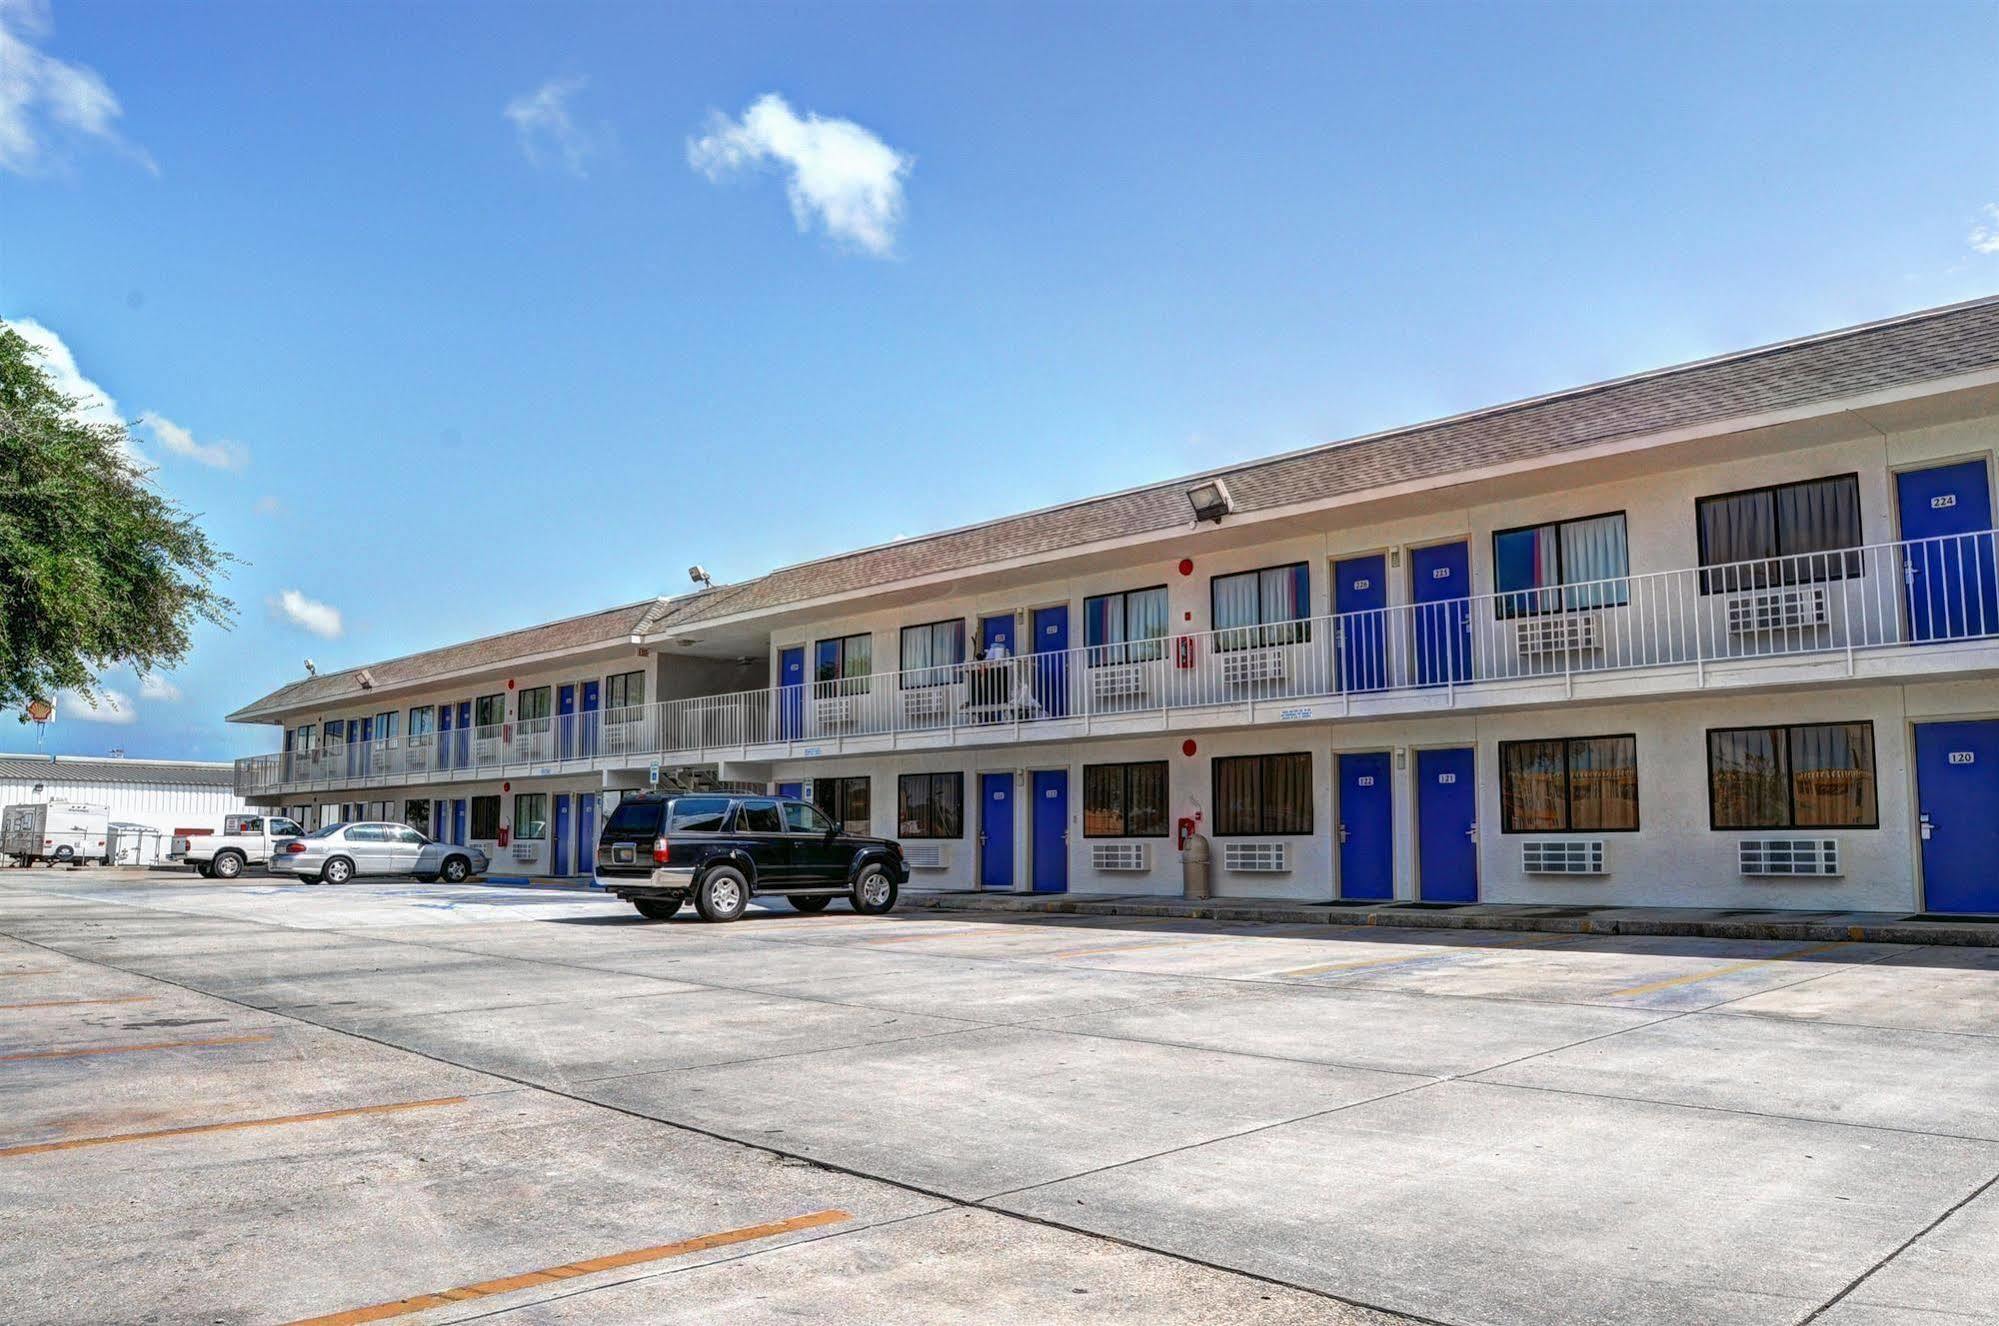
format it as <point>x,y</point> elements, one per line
<point>1210,499</point>
<point>699,575</point>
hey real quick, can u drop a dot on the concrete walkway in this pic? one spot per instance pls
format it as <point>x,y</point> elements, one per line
<point>1707,923</point>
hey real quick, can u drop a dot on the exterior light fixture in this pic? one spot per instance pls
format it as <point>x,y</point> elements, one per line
<point>1210,500</point>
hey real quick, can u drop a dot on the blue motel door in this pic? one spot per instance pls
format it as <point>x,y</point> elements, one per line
<point>1051,660</point>
<point>1446,823</point>
<point>565,721</point>
<point>1366,827</point>
<point>791,694</point>
<point>1948,566</point>
<point>586,833</point>
<point>1440,586</point>
<point>996,831</point>
<point>558,838</point>
<point>1957,804</point>
<point>1051,830</point>
<point>458,810</point>
<point>1360,593</point>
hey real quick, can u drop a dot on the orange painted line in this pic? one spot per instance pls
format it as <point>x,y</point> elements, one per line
<point>74,1143</point>
<point>68,1003</point>
<point>129,1049</point>
<point>569,1270</point>
<point>1694,977</point>
<point>1421,957</point>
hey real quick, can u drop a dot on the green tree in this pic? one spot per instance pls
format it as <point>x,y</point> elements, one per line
<point>97,567</point>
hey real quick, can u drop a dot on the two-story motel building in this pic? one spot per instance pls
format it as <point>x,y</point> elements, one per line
<point>1724,634</point>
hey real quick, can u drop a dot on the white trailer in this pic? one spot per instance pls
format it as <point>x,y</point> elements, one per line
<point>67,832</point>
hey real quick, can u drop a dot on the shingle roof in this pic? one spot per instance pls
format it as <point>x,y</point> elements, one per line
<point>605,627</point>
<point>1914,348</point>
<point>76,769</point>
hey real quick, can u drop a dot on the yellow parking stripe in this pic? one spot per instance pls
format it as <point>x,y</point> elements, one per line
<point>569,1270</point>
<point>1421,957</point>
<point>82,1050</point>
<point>231,1125</point>
<point>1710,974</point>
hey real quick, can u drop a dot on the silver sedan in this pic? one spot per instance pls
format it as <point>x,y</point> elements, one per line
<point>339,852</point>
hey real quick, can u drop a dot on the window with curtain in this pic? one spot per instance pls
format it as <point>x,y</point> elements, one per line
<point>1267,607</point>
<point>423,720</point>
<point>1125,800</point>
<point>846,801</point>
<point>1263,794</point>
<point>1805,776</point>
<point>531,815</point>
<point>489,711</point>
<point>1567,565</point>
<point>1129,627</point>
<point>385,725</point>
<point>843,666</point>
<point>623,696</point>
<point>931,653</point>
<point>534,704</point>
<point>1791,534</point>
<point>1569,785</point>
<point>930,805</point>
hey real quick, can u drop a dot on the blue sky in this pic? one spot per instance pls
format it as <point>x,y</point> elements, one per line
<point>445,370</point>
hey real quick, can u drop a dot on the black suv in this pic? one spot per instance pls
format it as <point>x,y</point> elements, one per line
<point>722,849</point>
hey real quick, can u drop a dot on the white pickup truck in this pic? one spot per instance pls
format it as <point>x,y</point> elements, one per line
<point>245,841</point>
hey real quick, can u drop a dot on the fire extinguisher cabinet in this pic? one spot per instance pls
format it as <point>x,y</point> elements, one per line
<point>1194,862</point>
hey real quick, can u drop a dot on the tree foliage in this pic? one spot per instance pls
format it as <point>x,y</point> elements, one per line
<point>97,567</point>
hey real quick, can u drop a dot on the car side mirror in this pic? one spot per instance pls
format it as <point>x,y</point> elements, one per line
<point>832,832</point>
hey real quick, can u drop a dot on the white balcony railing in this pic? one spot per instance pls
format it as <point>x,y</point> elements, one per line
<point>1884,596</point>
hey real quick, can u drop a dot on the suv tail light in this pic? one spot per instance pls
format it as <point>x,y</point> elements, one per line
<point>294,848</point>
<point>659,849</point>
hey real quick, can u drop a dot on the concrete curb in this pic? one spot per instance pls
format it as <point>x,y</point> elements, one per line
<point>1859,927</point>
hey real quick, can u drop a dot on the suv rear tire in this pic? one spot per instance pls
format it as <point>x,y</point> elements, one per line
<point>723,894</point>
<point>227,865</point>
<point>657,909</point>
<point>809,904</point>
<point>874,890</point>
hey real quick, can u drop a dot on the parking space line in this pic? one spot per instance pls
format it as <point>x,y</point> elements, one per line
<point>71,1003</point>
<point>82,1050</point>
<point>27,971</point>
<point>1528,942</point>
<point>569,1270</point>
<point>1694,977</point>
<point>1125,948</point>
<point>74,1143</point>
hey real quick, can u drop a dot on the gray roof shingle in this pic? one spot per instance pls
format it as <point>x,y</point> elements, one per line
<point>76,769</point>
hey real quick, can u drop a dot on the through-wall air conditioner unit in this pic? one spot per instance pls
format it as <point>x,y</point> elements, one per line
<point>1788,858</point>
<point>1257,858</point>
<point>927,856</point>
<point>1562,856</point>
<point>1777,610</point>
<point>526,850</point>
<point>926,705</point>
<point>1249,666</point>
<point>1122,856</point>
<point>1564,633</point>
<point>1117,681</point>
<point>836,710</point>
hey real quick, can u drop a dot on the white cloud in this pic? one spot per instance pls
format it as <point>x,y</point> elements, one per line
<point>94,404</point>
<point>840,174</point>
<point>152,686</point>
<point>112,707</point>
<point>43,99</point>
<point>548,133</point>
<point>321,619</point>
<point>1985,235</point>
<point>179,441</point>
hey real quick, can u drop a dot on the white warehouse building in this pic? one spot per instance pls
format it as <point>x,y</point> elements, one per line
<point>152,799</point>
<point>1724,634</point>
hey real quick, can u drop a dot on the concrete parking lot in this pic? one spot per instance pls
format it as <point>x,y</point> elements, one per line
<point>265,1102</point>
